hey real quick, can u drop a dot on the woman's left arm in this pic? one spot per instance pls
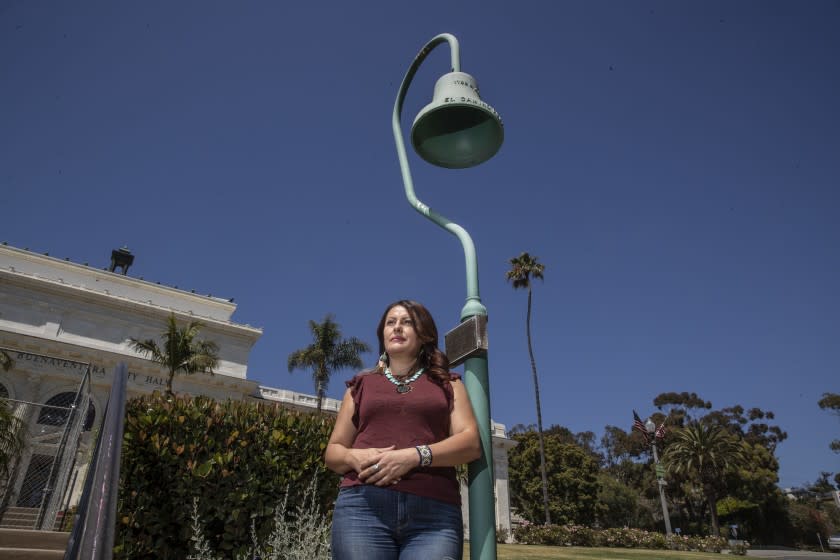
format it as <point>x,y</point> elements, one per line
<point>463,444</point>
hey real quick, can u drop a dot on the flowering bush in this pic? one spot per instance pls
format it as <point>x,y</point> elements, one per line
<point>696,544</point>
<point>626,537</point>
<point>577,535</point>
<point>739,548</point>
<point>558,535</point>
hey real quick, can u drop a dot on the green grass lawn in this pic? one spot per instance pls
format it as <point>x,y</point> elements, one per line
<point>535,552</point>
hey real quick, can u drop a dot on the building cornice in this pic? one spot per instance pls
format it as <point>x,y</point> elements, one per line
<point>50,269</point>
<point>77,292</point>
<point>58,287</point>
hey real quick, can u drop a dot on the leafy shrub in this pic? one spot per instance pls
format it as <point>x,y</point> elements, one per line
<point>238,458</point>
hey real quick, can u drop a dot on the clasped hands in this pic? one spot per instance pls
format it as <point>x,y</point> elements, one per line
<point>383,466</point>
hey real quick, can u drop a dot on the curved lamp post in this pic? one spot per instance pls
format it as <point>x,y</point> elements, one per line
<point>458,130</point>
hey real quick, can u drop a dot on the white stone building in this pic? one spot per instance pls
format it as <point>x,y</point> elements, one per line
<point>58,318</point>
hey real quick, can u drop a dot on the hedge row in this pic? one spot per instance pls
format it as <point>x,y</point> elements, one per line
<point>237,458</point>
<point>578,535</point>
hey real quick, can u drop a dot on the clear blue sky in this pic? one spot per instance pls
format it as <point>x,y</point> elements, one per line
<point>675,166</point>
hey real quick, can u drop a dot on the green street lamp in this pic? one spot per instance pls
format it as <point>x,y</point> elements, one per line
<point>458,130</point>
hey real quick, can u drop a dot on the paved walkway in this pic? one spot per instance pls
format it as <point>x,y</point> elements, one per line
<point>792,554</point>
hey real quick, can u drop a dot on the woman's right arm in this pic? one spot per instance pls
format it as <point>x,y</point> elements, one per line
<point>341,439</point>
<point>340,455</point>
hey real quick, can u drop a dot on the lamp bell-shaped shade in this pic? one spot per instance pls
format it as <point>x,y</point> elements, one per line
<point>457,129</point>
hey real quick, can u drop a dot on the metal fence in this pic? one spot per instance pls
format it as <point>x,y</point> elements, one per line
<point>41,471</point>
<point>92,537</point>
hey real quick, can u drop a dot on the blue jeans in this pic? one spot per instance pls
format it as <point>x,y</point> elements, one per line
<point>372,523</point>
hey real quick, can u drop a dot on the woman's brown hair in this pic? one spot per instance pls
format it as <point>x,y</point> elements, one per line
<point>431,358</point>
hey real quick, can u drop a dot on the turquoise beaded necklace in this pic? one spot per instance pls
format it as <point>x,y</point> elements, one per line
<point>402,386</point>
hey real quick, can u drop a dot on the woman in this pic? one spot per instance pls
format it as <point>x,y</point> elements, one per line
<point>401,430</point>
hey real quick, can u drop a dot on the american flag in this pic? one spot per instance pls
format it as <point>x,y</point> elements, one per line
<point>639,425</point>
<point>660,431</point>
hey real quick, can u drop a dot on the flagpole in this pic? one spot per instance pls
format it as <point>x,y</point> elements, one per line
<point>660,480</point>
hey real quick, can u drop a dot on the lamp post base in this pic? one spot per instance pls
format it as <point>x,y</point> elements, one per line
<point>480,471</point>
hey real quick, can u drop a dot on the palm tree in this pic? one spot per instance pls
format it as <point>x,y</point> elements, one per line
<point>523,268</point>
<point>704,451</point>
<point>327,353</point>
<point>180,352</point>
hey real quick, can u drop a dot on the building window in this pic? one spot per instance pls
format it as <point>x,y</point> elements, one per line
<point>35,481</point>
<point>57,409</point>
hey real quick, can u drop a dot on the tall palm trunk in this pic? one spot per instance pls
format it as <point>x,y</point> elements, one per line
<point>539,414</point>
<point>321,376</point>
<point>711,498</point>
<point>320,392</point>
<point>169,377</point>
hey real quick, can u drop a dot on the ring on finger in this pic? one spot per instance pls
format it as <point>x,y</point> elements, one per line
<point>375,467</point>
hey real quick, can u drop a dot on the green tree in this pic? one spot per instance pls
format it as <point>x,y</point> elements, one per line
<point>747,495</point>
<point>678,407</point>
<point>811,516</point>
<point>327,353</point>
<point>705,452</point>
<point>623,454</point>
<point>523,268</point>
<point>754,501</point>
<point>751,425</point>
<point>6,361</point>
<point>11,440</point>
<point>181,351</point>
<point>621,505</point>
<point>831,401</point>
<point>622,449</point>
<point>572,477</point>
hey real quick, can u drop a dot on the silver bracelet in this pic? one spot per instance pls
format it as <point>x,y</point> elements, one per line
<point>425,455</point>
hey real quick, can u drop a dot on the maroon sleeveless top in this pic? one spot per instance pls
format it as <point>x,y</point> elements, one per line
<point>384,417</point>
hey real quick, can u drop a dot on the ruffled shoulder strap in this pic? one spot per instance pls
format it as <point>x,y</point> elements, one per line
<point>358,379</point>
<point>447,389</point>
<point>357,386</point>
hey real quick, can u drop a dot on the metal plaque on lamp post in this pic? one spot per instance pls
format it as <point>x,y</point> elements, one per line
<point>467,340</point>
